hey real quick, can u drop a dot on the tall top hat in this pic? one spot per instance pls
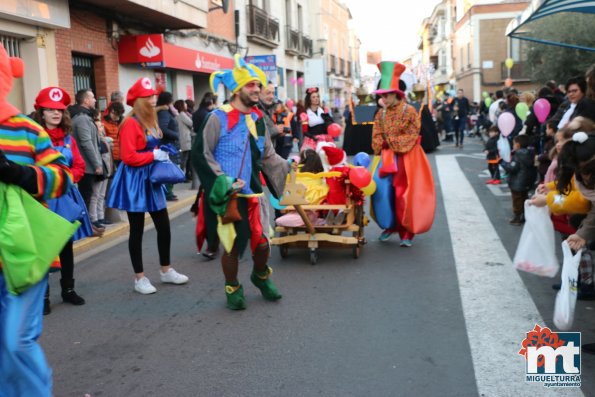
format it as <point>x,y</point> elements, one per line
<point>390,75</point>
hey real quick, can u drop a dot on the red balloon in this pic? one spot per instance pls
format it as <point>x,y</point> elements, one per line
<point>335,130</point>
<point>360,177</point>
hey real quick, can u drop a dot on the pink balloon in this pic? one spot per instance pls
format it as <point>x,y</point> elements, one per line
<point>334,130</point>
<point>289,104</point>
<point>542,108</point>
<point>300,81</point>
<point>292,81</point>
<point>506,123</point>
<point>360,177</point>
<point>303,117</point>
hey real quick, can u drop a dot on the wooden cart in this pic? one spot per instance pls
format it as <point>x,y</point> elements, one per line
<point>348,234</point>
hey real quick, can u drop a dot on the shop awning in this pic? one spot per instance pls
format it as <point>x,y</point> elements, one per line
<point>151,51</point>
<point>538,9</point>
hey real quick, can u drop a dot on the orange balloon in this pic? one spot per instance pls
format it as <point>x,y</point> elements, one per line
<point>508,82</point>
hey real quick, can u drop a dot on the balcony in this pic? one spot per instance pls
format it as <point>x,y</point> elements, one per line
<point>262,28</point>
<point>293,41</point>
<point>306,47</point>
<point>517,72</point>
<point>160,14</point>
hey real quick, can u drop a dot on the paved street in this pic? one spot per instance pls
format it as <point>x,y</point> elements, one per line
<point>443,318</point>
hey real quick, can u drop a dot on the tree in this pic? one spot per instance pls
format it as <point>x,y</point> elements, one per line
<point>549,62</point>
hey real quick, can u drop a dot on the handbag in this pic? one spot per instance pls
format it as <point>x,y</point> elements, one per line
<point>389,165</point>
<point>26,248</point>
<point>165,172</point>
<point>566,298</point>
<point>232,213</point>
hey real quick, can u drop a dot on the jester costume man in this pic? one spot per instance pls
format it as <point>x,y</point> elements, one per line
<point>229,155</point>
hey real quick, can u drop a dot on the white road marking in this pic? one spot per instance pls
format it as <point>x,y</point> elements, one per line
<point>497,307</point>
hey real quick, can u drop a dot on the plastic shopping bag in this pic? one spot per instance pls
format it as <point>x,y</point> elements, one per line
<point>566,298</point>
<point>504,148</point>
<point>536,252</point>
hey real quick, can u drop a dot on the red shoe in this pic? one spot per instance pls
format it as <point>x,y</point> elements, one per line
<point>496,182</point>
<point>489,181</point>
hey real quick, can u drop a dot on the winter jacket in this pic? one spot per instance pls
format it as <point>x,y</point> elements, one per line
<point>84,131</point>
<point>492,148</point>
<point>185,126</point>
<point>522,172</point>
<point>169,126</point>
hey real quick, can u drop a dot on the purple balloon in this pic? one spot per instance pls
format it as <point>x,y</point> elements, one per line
<point>542,108</point>
<point>506,123</point>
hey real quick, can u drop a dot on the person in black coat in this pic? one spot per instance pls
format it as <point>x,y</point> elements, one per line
<point>521,176</point>
<point>493,155</point>
<point>166,116</point>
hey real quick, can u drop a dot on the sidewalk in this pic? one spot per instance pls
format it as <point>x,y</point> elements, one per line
<point>118,232</point>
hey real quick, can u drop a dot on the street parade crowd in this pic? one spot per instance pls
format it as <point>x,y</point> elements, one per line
<point>66,163</point>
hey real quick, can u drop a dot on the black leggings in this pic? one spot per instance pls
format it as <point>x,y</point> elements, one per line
<point>67,261</point>
<point>135,242</point>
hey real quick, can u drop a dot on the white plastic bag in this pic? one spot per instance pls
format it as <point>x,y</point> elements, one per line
<point>536,252</point>
<point>504,148</point>
<point>566,298</point>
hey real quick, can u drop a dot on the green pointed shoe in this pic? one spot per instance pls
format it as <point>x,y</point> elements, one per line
<point>267,288</point>
<point>235,297</point>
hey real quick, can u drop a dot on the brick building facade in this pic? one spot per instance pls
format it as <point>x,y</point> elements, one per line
<point>87,39</point>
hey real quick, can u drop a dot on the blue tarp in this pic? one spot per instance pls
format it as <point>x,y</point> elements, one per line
<point>542,8</point>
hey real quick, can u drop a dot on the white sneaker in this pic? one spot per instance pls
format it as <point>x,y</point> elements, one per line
<point>171,276</point>
<point>144,286</point>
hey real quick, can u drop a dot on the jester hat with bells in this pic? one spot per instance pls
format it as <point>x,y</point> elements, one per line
<point>241,74</point>
<point>10,68</point>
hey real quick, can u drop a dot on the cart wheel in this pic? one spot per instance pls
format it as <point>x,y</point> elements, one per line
<point>313,257</point>
<point>283,251</point>
<point>356,250</point>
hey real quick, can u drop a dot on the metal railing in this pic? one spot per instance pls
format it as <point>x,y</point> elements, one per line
<point>293,41</point>
<point>306,47</point>
<point>262,28</point>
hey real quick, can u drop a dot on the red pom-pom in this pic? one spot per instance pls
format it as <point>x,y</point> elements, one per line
<point>17,67</point>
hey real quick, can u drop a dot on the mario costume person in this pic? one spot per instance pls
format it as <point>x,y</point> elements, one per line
<point>229,154</point>
<point>27,161</point>
<point>133,191</point>
<point>405,198</point>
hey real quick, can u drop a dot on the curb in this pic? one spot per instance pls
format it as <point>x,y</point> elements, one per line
<point>116,232</point>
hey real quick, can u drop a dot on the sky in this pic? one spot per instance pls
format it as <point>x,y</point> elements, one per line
<point>391,26</point>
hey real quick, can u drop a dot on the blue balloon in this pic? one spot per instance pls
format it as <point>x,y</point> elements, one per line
<point>362,159</point>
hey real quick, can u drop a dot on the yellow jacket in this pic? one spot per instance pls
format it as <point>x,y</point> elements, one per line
<point>573,203</point>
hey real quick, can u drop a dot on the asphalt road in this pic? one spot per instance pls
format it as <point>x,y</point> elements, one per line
<point>391,323</point>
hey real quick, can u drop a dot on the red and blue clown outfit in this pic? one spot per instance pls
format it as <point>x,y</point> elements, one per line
<point>405,198</point>
<point>235,145</point>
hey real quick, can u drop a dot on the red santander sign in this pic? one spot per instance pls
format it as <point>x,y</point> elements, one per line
<point>151,50</point>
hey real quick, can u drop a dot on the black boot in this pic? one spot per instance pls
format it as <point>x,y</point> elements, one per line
<point>46,301</point>
<point>68,293</point>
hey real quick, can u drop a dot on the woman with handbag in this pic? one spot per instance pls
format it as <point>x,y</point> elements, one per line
<point>132,189</point>
<point>52,114</point>
<point>315,121</point>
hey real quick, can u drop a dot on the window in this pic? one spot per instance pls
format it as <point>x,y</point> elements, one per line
<point>288,12</point>
<point>469,55</point>
<point>300,19</point>
<point>517,49</point>
<point>442,60</point>
<point>12,45</point>
<point>83,73</point>
<point>461,59</point>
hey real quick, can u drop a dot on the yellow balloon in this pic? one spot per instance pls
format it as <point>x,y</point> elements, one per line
<point>370,189</point>
<point>509,63</point>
